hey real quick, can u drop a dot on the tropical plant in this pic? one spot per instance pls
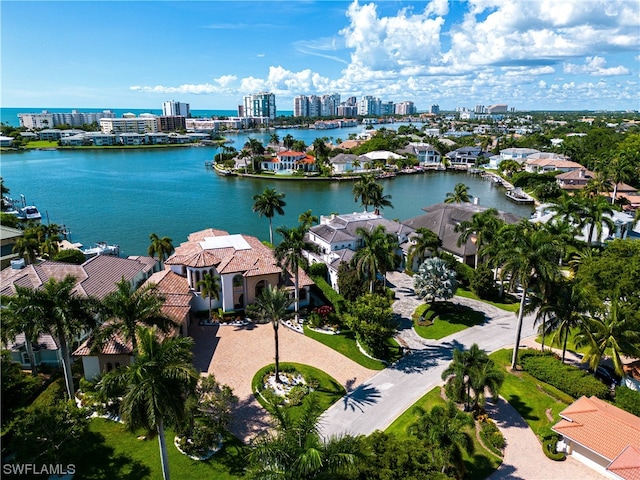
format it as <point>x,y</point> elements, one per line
<point>370,317</point>
<point>162,247</point>
<point>209,287</point>
<point>28,246</point>
<point>272,305</point>
<point>442,430</point>
<point>460,194</point>
<point>531,256</point>
<point>307,219</point>
<point>422,242</point>
<point>362,190</point>
<point>126,308</point>
<point>595,212</point>
<point>289,255</point>
<point>481,228</point>
<point>377,253</point>
<point>378,200</point>
<point>20,315</point>
<point>294,449</point>
<point>434,280</point>
<point>612,330</point>
<point>66,314</point>
<point>154,389</point>
<point>268,204</point>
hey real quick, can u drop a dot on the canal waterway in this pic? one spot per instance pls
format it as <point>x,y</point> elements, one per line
<point>121,196</point>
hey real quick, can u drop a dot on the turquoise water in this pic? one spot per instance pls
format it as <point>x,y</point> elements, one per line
<point>122,196</point>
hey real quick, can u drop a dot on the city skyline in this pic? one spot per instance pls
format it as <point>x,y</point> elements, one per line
<point>533,55</point>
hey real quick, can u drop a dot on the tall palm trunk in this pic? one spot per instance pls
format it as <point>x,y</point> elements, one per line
<point>164,457</point>
<point>31,355</point>
<point>543,330</point>
<point>66,366</point>
<point>275,337</point>
<point>270,232</point>
<point>514,360</point>
<point>564,345</point>
<point>296,294</point>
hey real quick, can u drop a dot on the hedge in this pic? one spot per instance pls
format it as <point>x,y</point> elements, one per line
<point>628,400</point>
<point>330,294</point>
<point>549,448</point>
<point>567,378</point>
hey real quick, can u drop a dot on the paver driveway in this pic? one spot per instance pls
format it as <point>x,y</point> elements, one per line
<point>235,354</point>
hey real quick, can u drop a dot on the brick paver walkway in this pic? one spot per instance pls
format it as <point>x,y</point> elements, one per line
<point>235,354</point>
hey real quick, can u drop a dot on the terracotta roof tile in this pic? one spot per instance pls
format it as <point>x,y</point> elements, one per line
<point>627,465</point>
<point>599,426</point>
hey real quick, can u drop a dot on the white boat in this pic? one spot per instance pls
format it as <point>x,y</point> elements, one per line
<point>101,248</point>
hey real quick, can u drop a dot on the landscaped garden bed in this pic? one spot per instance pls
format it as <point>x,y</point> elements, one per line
<point>440,319</point>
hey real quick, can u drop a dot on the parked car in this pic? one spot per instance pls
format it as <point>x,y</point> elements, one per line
<point>607,375</point>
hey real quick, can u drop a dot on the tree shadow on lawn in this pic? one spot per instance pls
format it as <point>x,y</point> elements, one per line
<point>97,461</point>
<point>459,314</point>
<point>504,416</point>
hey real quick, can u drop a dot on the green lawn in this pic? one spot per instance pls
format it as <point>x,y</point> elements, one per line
<point>510,307</point>
<point>41,144</point>
<point>479,464</point>
<point>115,452</point>
<point>345,343</point>
<point>327,393</point>
<point>448,319</point>
<point>531,397</point>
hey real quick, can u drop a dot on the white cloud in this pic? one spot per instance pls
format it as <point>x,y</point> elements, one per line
<point>595,66</point>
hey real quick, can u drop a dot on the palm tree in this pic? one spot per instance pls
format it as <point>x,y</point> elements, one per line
<point>362,190</point>
<point>272,305</point>
<point>307,219</point>
<point>562,308</point>
<point>210,287</point>
<point>268,204</point>
<point>21,315</point>
<point>460,194</point>
<point>531,256</point>
<point>621,169</point>
<point>377,200</point>
<point>254,146</point>
<point>289,255</point>
<point>425,240</point>
<point>66,314</point>
<point>595,212</point>
<point>294,449</point>
<point>126,308</point>
<point>162,247</point>
<point>612,331</point>
<point>28,247</point>
<point>442,431</point>
<point>274,139</point>
<point>376,255</point>
<point>155,388</point>
<point>287,141</point>
<point>481,228</point>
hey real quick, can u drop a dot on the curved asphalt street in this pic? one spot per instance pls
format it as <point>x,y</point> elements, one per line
<point>377,402</point>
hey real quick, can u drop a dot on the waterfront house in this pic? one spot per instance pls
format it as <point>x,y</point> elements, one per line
<point>8,238</point>
<point>464,157</point>
<point>349,162</point>
<point>602,436</point>
<point>574,180</point>
<point>117,351</point>
<point>243,264</point>
<point>544,162</point>
<point>6,141</point>
<point>425,153</point>
<point>96,277</point>
<point>46,351</point>
<point>443,218</point>
<point>517,154</point>
<point>290,161</point>
<point>337,239</point>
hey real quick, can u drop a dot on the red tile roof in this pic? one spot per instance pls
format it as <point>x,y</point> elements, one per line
<point>627,465</point>
<point>599,426</point>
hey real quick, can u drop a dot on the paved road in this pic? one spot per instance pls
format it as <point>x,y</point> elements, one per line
<point>374,404</point>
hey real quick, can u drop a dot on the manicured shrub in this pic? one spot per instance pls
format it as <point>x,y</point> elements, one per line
<point>567,378</point>
<point>549,448</point>
<point>491,436</point>
<point>70,256</point>
<point>329,293</point>
<point>628,400</point>
<point>318,270</point>
<point>482,283</point>
<point>51,395</point>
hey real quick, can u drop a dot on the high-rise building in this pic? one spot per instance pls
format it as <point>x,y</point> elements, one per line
<point>261,104</point>
<point>498,108</point>
<point>174,109</point>
<point>74,118</point>
<point>405,108</point>
<point>301,106</point>
<point>369,105</point>
<point>435,109</point>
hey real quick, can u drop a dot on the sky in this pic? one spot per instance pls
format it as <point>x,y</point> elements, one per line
<point>529,54</point>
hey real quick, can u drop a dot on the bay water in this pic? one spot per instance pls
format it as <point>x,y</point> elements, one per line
<point>121,196</point>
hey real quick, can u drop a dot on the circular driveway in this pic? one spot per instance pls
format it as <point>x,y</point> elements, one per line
<point>235,354</point>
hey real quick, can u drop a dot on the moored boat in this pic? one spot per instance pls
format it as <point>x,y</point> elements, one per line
<point>518,195</point>
<point>101,248</point>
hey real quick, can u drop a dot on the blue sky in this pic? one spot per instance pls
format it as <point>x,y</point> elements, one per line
<point>530,54</point>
